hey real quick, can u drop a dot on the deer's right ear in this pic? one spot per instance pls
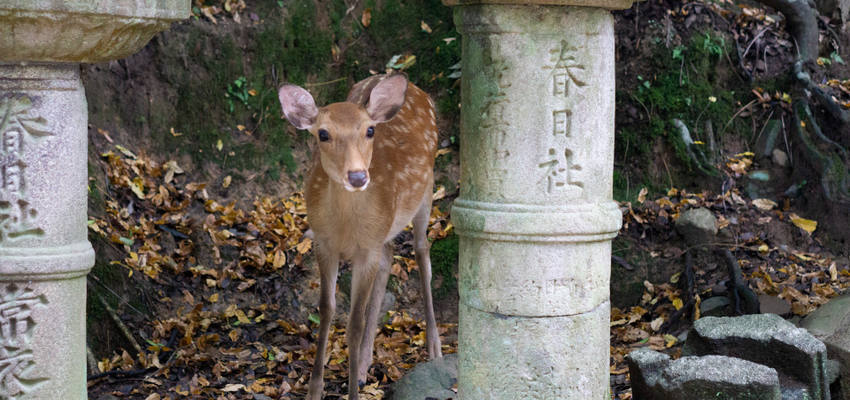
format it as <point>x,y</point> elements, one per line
<point>298,106</point>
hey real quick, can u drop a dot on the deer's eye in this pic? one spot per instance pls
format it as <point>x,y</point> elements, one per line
<point>324,135</point>
<point>370,132</point>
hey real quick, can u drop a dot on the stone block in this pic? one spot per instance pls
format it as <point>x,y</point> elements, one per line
<point>656,377</point>
<point>430,380</point>
<point>698,226</point>
<point>831,324</point>
<point>767,339</point>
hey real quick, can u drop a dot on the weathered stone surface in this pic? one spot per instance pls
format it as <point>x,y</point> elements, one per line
<point>769,340</point>
<point>656,377</point>
<point>433,379</point>
<point>535,215</point>
<point>714,306</point>
<point>698,226</point>
<point>831,324</point>
<point>44,251</point>
<point>82,31</point>
<point>509,357</point>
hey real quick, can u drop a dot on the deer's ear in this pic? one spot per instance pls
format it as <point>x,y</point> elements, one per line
<point>386,98</point>
<point>298,106</point>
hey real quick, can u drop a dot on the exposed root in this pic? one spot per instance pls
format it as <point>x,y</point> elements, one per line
<point>832,170</point>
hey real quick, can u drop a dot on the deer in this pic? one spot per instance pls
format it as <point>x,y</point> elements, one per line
<point>372,176</point>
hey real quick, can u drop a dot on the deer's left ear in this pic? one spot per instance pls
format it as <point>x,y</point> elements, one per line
<point>386,98</point>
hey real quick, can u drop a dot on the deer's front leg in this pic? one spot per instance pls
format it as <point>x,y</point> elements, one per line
<point>373,309</point>
<point>364,268</point>
<point>328,268</point>
<point>423,259</point>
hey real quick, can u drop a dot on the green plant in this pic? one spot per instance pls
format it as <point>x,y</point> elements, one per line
<point>238,90</point>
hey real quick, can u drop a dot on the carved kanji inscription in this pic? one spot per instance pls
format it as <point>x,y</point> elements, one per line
<point>18,131</point>
<point>564,69</point>
<point>494,124</point>
<point>16,330</point>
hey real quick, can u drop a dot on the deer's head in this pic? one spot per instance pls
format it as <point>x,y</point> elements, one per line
<point>345,130</point>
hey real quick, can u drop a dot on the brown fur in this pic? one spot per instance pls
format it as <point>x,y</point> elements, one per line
<point>358,225</point>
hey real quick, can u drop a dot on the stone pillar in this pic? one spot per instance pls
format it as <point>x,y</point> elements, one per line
<point>44,252</point>
<point>535,214</point>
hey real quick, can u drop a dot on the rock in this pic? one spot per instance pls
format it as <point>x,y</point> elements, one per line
<point>698,226</point>
<point>758,185</point>
<point>766,142</point>
<point>655,377</point>
<point>431,380</point>
<point>767,339</point>
<point>831,324</point>
<point>780,158</point>
<point>773,305</point>
<point>714,306</point>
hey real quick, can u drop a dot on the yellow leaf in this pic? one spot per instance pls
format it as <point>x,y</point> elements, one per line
<point>304,246</point>
<point>240,127</point>
<point>763,248</point>
<point>136,186</point>
<point>669,340</point>
<point>233,387</point>
<point>765,204</point>
<point>252,92</point>
<point>425,26</point>
<point>279,259</point>
<point>219,145</point>
<point>213,297</point>
<point>677,302</point>
<point>442,151</point>
<point>124,150</point>
<point>174,133</point>
<point>226,182</point>
<point>805,224</point>
<point>712,99</point>
<point>642,195</point>
<point>698,142</point>
<point>366,18</point>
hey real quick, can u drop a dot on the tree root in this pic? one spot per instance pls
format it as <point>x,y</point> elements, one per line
<point>833,172</point>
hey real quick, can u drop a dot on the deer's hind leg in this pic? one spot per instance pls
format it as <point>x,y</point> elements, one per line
<point>423,259</point>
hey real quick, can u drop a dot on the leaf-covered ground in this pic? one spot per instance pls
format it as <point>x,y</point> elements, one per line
<point>222,322</point>
<point>226,305</point>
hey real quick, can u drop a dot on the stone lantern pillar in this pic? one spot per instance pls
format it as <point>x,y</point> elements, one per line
<point>535,214</point>
<point>44,253</point>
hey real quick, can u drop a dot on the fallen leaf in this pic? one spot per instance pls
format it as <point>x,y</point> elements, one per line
<point>765,204</point>
<point>805,224</point>
<point>366,18</point>
<point>642,195</point>
<point>425,26</point>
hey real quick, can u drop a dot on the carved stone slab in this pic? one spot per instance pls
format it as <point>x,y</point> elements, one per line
<point>82,31</point>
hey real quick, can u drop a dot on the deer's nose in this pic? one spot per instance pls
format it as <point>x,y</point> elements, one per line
<point>357,178</point>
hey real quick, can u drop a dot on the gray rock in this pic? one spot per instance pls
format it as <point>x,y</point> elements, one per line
<point>766,143</point>
<point>780,158</point>
<point>831,324</point>
<point>655,377</point>
<point>698,226</point>
<point>431,380</point>
<point>773,305</point>
<point>714,306</point>
<point>769,340</point>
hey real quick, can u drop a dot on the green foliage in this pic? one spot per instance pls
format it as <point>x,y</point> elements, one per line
<point>398,24</point>
<point>685,86</point>
<point>444,260</point>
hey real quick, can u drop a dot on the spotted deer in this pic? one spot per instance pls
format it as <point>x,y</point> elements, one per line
<point>373,174</point>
